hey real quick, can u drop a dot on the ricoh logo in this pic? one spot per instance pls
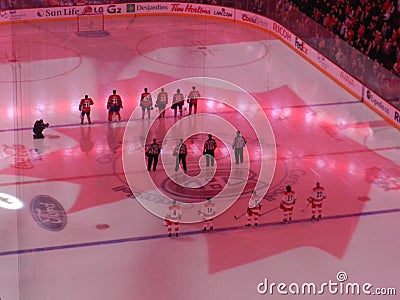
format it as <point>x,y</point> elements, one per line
<point>281,31</point>
<point>397,117</point>
<point>247,18</point>
<point>48,213</point>
<point>299,44</point>
<point>347,78</point>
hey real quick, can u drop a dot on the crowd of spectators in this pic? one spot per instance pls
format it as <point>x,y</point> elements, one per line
<point>372,27</point>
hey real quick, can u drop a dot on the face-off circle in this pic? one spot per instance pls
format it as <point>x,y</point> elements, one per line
<point>224,109</point>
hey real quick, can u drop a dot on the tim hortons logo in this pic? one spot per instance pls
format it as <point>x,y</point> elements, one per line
<point>48,213</point>
<point>189,8</point>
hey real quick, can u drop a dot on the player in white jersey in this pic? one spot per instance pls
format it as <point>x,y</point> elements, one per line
<point>318,195</point>
<point>172,218</point>
<point>253,209</point>
<point>287,203</point>
<point>208,213</point>
<point>146,103</point>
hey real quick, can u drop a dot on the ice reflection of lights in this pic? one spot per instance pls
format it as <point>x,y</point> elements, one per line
<point>10,202</point>
<point>352,169</point>
<point>275,113</point>
<point>286,113</point>
<point>309,117</point>
<point>10,113</point>
<point>320,163</point>
<point>342,122</point>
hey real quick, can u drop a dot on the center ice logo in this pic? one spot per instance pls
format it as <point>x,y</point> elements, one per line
<point>48,213</point>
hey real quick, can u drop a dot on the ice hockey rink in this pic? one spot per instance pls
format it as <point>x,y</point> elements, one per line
<point>76,230</point>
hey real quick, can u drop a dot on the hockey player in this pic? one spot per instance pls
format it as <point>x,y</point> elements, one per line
<point>152,155</point>
<point>161,103</point>
<point>192,99</point>
<point>238,144</point>
<point>146,103</point>
<point>180,153</point>
<point>114,104</point>
<point>84,108</point>
<point>38,128</point>
<point>316,199</point>
<point>209,150</point>
<point>253,209</point>
<point>172,218</point>
<point>178,100</point>
<point>208,213</point>
<point>287,203</point>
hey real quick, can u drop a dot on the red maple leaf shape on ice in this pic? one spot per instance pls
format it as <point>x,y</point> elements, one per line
<point>307,152</point>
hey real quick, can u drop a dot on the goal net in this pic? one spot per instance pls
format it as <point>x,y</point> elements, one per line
<point>91,25</point>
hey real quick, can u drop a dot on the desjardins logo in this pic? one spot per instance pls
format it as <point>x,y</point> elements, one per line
<point>130,8</point>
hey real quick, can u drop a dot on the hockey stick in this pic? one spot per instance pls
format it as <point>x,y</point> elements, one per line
<point>308,204</point>
<point>237,218</point>
<point>271,210</point>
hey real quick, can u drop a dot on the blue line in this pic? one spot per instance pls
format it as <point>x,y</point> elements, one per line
<point>106,122</point>
<point>188,233</point>
<point>323,104</point>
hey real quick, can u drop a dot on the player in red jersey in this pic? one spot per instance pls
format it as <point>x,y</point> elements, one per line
<point>172,218</point>
<point>208,213</point>
<point>84,108</point>
<point>146,103</point>
<point>192,99</point>
<point>114,104</point>
<point>161,102</point>
<point>253,209</point>
<point>177,102</point>
<point>317,197</point>
<point>287,203</point>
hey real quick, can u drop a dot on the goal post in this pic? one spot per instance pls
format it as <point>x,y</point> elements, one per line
<point>87,22</point>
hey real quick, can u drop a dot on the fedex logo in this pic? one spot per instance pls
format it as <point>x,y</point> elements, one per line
<point>299,44</point>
